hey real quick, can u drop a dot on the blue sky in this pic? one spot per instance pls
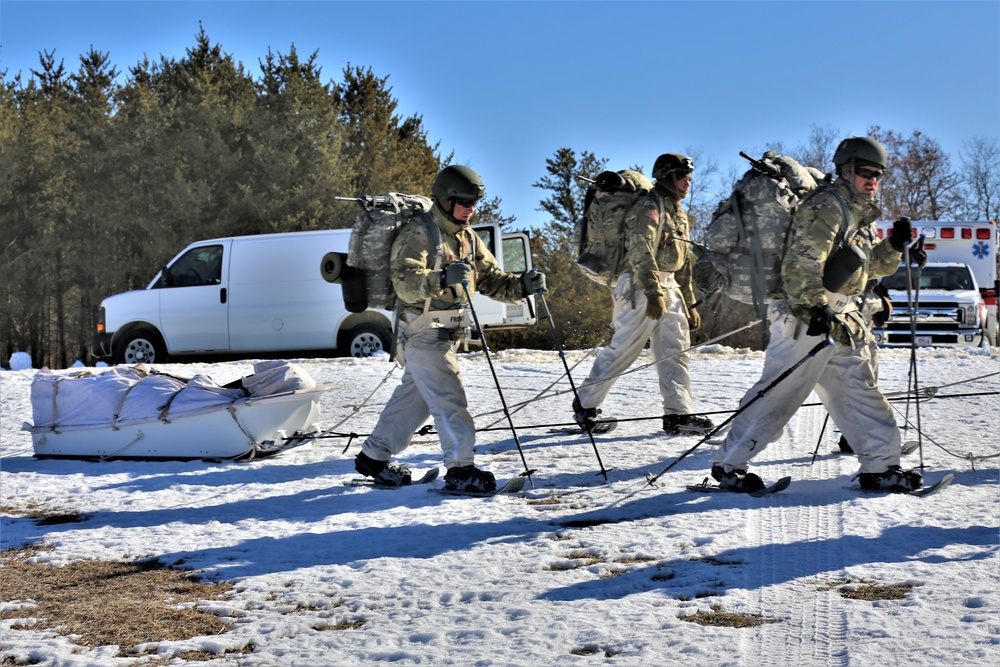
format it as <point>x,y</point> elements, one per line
<point>506,84</point>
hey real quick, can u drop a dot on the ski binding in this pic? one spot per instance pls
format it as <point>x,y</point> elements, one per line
<point>427,478</point>
<point>602,427</point>
<point>705,487</point>
<point>513,485</point>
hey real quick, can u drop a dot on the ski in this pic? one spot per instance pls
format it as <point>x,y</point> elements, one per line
<point>513,485</point>
<point>922,492</point>
<point>600,428</point>
<point>908,447</point>
<point>925,491</point>
<point>427,478</point>
<point>705,487</point>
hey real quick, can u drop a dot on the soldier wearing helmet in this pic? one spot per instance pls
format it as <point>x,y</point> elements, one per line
<point>821,299</point>
<point>433,287</point>
<point>653,302</point>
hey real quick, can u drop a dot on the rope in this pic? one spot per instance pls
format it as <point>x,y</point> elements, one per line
<point>631,370</point>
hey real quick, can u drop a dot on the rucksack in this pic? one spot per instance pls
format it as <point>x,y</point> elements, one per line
<point>370,248</point>
<point>745,240</point>
<point>600,233</point>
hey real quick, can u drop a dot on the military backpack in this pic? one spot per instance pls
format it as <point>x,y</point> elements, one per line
<point>600,233</point>
<point>367,282</point>
<point>745,240</point>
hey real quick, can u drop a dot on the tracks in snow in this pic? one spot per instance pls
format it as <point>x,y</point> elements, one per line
<point>798,539</point>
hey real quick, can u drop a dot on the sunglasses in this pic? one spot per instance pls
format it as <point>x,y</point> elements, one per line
<point>467,203</point>
<point>869,174</point>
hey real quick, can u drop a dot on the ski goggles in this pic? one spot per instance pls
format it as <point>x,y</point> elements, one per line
<point>467,203</point>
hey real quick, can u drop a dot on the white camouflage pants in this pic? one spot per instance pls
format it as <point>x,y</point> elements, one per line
<point>431,386</point>
<point>843,378</point>
<point>667,337</point>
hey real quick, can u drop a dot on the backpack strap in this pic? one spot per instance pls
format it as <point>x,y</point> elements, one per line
<point>433,247</point>
<point>758,286</point>
<point>845,233</point>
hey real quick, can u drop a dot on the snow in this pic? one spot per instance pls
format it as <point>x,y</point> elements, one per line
<point>572,571</point>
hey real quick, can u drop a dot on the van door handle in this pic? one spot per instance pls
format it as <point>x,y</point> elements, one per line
<point>222,295</point>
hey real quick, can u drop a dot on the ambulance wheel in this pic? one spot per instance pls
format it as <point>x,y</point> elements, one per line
<point>141,346</point>
<point>365,340</point>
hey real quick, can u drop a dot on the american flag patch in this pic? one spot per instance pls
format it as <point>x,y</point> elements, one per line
<point>653,215</point>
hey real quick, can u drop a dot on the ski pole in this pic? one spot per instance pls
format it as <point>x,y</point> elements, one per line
<point>486,348</point>
<point>822,430</point>
<point>913,299</point>
<point>576,395</point>
<point>826,342</point>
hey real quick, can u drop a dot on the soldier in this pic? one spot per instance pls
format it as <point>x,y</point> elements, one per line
<point>842,374</point>
<point>432,318</point>
<point>653,301</point>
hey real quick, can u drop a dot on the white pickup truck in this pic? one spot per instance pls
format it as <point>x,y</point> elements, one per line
<point>948,306</point>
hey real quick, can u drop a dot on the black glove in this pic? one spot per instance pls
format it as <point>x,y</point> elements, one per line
<point>902,234</point>
<point>820,320</point>
<point>533,282</point>
<point>455,274</point>
<point>918,256</point>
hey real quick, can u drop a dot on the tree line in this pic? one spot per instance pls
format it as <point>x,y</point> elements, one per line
<point>104,177</point>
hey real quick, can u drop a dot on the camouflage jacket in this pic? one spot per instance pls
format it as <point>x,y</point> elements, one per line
<point>813,235</point>
<point>672,255</point>
<point>412,265</point>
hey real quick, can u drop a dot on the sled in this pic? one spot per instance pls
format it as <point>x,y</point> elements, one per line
<point>135,413</point>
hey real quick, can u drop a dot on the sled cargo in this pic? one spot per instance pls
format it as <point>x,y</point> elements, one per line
<point>134,412</point>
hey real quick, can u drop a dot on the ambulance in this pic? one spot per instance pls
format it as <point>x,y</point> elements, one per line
<point>954,297</point>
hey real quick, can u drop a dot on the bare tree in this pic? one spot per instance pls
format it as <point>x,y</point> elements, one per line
<point>819,147</point>
<point>920,181</point>
<point>981,179</point>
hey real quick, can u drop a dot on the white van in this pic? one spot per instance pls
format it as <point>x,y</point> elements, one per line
<point>266,295</point>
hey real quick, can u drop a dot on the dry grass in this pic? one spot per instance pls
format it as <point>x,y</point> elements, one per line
<point>110,602</point>
<point>865,589</point>
<point>873,592</point>
<point>726,619</point>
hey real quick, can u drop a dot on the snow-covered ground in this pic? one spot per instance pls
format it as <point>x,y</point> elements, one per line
<point>572,571</point>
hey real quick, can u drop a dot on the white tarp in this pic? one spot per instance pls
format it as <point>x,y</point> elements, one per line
<point>129,394</point>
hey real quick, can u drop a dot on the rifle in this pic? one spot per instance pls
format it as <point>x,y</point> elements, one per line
<point>763,167</point>
<point>368,202</point>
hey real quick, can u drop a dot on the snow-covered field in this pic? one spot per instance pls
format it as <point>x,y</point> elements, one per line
<point>572,571</point>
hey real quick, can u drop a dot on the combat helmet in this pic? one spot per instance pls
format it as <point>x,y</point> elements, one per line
<point>458,182</point>
<point>671,162</point>
<point>864,151</point>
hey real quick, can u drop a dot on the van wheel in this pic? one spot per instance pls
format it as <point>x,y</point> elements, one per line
<point>141,346</point>
<point>365,340</point>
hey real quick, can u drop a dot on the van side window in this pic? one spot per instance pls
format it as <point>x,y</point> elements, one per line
<point>198,266</point>
<point>515,259</point>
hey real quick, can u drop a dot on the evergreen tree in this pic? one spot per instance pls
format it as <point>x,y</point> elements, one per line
<point>581,309</point>
<point>386,152</point>
<point>293,162</point>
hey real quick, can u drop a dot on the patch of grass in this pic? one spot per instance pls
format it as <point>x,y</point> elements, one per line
<point>43,516</point>
<point>110,602</point>
<point>726,619</point>
<point>545,501</point>
<point>866,589</point>
<point>874,592</point>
